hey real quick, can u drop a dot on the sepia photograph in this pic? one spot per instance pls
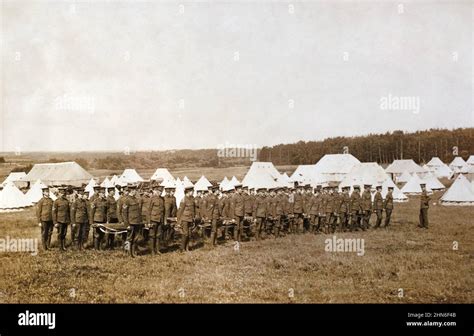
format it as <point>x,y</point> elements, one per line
<point>236,152</point>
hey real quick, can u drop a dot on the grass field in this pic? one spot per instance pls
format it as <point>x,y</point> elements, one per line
<point>294,268</point>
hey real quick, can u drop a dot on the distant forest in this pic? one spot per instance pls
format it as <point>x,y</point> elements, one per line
<point>420,146</point>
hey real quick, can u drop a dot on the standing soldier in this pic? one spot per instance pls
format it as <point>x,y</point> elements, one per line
<point>279,211</point>
<point>156,216</point>
<point>313,211</point>
<point>378,206</point>
<point>227,210</point>
<point>344,205</point>
<point>44,214</point>
<point>298,209</point>
<point>388,206</point>
<point>132,217</point>
<point>99,216</point>
<point>249,198</point>
<point>95,195</point>
<point>170,212</point>
<point>79,218</point>
<point>112,215</point>
<point>238,212</point>
<point>61,217</point>
<point>355,209</point>
<point>366,207</point>
<point>259,213</point>
<point>185,217</point>
<point>145,196</point>
<point>87,227</point>
<point>290,210</point>
<point>424,206</point>
<point>212,213</point>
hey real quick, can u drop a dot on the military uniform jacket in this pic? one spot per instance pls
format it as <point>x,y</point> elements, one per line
<point>330,203</point>
<point>197,206</point>
<point>378,201</point>
<point>238,205</point>
<point>248,203</point>
<point>271,206</point>
<point>170,206</point>
<point>298,204</point>
<point>132,207</point>
<point>356,206</point>
<point>111,208</point>
<point>212,207</point>
<point>156,209</point>
<point>79,211</point>
<point>260,207</point>
<point>280,207</point>
<point>345,201</point>
<point>388,203</point>
<point>187,210</point>
<point>120,203</point>
<point>145,206</point>
<point>44,209</point>
<point>291,203</point>
<point>314,205</point>
<point>366,201</point>
<point>61,211</point>
<point>424,200</point>
<point>221,206</point>
<point>99,210</point>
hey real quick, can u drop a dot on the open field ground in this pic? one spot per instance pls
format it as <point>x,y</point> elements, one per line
<point>294,268</point>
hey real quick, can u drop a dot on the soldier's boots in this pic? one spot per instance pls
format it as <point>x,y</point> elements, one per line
<point>156,246</point>
<point>63,244</point>
<point>213,239</point>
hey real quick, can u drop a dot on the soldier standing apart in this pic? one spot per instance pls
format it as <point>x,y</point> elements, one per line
<point>44,213</point>
<point>99,216</point>
<point>424,206</point>
<point>61,217</point>
<point>80,218</point>
<point>378,206</point>
<point>185,217</point>
<point>156,215</point>
<point>112,216</point>
<point>132,216</point>
<point>388,206</point>
<point>366,207</point>
<point>355,209</point>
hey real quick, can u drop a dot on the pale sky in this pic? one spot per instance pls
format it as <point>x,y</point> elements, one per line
<point>105,75</point>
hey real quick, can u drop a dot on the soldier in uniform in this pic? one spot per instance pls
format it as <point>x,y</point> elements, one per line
<point>112,216</point>
<point>238,212</point>
<point>185,217</point>
<point>156,217</point>
<point>170,212</point>
<point>44,214</point>
<point>212,213</point>
<point>388,206</point>
<point>259,213</point>
<point>378,206</point>
<point>424,206</point>
<point>87,227</point>
<point>227,210</point>
<point>80,218</point>
<point>61,217</point>
<point>355,209</point>
<point>344,205</point>
<point>132,216</point>
<point>298,209</point>
<point>249,198</point>
<point>366,206</point>
<point>99,216</point>
<point>279,211</point>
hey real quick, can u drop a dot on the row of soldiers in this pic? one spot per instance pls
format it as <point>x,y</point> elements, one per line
<point>237,213</point>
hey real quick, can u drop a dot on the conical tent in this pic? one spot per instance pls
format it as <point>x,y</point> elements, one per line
<point>234,181</point>
<point>284,181</point>
<point>433,183</point>
<point>187,182</point>
<point>261,175</point>
<point>202,184</point>
<point>398,167</point>
<point>364,173</point>
<point>107,183</point>
<point>413,186</point>
<point>223,183</point>
<point>35,193</point>
<point>12,198</point>
<point>162,174</point>
<point>114,180</point>
<point>470,161</point>
<point>334,167</point>
<point>404,177</point>
<point>460,193</point>
<point>130,176</point>
<point>14,177</point>
<point>457,164</point>
<point>90,186</point>
<point>439,168</point>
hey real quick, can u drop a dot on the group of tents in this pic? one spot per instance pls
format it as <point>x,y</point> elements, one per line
<point>341,170</point>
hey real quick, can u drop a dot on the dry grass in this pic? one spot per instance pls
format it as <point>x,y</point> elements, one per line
<point>422,262</point>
